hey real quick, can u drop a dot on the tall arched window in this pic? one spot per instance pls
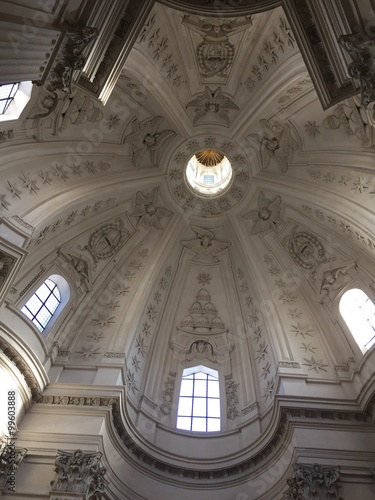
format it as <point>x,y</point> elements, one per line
<point>358,311</point>
<point>199,401</point>
<point>13,99</point>
<point>47,302</point>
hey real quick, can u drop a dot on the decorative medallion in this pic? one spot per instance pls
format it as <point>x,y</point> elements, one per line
<point>107,240</point>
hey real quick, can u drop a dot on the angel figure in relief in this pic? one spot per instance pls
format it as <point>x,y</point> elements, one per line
<point>277,142</point>
<point>205,247</point>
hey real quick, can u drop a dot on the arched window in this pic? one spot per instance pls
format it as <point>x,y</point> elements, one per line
<point>199,401</point>
<point>13,99</point>
<point>47,302</point>
<point>358,311</point>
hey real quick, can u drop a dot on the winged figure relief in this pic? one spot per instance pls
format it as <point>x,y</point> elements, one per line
<point>145,137</point>
<point>204,246</point>
<point>214,102</point>
<point>277,142</point>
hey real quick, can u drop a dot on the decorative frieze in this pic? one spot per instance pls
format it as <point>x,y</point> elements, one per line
<point>79,472</point>
<point>167,394</point>
<point>231,391</point>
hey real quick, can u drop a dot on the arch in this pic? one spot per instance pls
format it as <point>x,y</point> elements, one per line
<point>199,400</point>
<point>47,302</point>
<point>358,311</point>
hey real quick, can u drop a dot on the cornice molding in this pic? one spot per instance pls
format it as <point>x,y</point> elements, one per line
<point>286,418</point>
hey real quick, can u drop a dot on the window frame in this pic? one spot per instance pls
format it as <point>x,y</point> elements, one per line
<point>363,347</point>
<point>207,367</point>
<point>19,101</point>
<point>65,295</point>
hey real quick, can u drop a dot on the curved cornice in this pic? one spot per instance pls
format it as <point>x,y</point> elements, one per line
<point>222,8</point>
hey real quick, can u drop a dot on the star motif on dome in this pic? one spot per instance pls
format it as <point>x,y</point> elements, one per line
<point>267,259</point>
<point>308,348</point>
<point>302,330</point>
<point>103,320</point>
<point>28,183</point>
<point>344,179</point>
<point>293,313</point>
<point>120,290</point>
<point>257,333</point>
<point>248,300</point>
<point>112,305</point>
<point>45,177</point>
<point>129,276</point>
<point>59,172</point>
<point>192,145</point>
<point>240,274</point>
<point>76,170</point>
<point>180,192</point>
<point>56,225</point>
<point>266,370</point>
<point>175,174</point>
<point>346,228</point>
<point>87,352</point>
<point>361,185</point>
<point>312,129</point>
<point>210,141</point>
<point>136,363</point>
<point>141,347</point>
<point>163,282</point>
<point>262,351</point>
<point>208,207</point>
<point>224,204</point>
<point>71,218</point>
<point>204,278</point>
<point>236,193</point>
<point>85,210</point>
<point>329,177</point>
<point>274,271</point>
<point>151,312</point>
<point>253,318</point>
<point>269,391</point>
<point>313,364</point>
<point>287,298</point>
<point>242,176</point>
<point>180,157</point>
<point>227,146</point>
<point>244,287</point>
<point>168,270</point>
<point>97,206</point>
<point>157,297</point>
<point>96,337</point>
<point>112,122</point>
<point>280,283</point>
<point>103,165</point>
<point>132,384</point>
<point>14,191</point>
<point>190,202</point>
<point>146,329</point>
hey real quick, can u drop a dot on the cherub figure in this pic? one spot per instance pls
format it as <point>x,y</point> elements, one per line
<point>144,137</point>
<point>205,247</point>
<point>277,142</point>
<point>214,102</point>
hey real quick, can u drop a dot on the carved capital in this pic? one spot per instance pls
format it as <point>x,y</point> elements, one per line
<point>10,459</point>
<point>310,482</point>
<point>79,472</point>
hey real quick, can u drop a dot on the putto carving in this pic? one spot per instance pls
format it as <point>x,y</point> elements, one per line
<point>10,459</point>
<point>203,318</point>
<point>107,240</point>
<point>214,103</point>
<point>215,53</point>
<point>146,139</point>
<point>205,247</point>
<point>361,48</point>
<point>78,267</point>
<point>145,207</point>
<point>277,143</point>
<point>267,215</point>
<point>333,280</point>
<point>80,472</point>
<point>310,482</point>
<point>201,349</point>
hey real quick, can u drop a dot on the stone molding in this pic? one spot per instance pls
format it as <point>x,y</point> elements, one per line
<point>287,417</point>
